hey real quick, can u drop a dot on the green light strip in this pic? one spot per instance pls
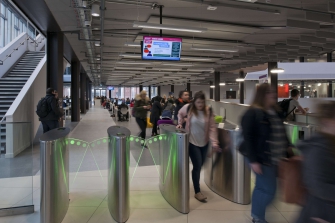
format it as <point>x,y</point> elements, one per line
<point>64,173</point>
<point>105,139</point>
<point>153,158</point>
<point>81,162</point>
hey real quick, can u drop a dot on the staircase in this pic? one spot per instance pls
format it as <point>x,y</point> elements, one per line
<point>12,83</point>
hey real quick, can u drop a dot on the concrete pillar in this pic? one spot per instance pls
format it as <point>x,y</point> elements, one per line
<point>188,88</point>
<point>88,93</point>
<point>75,108</point>
<point>159,90</point>
<point>217,86</point>
<point>242,75</point>
<point>211,91</point>
<point>302,59</point>
<point>141,88</point>
<point>149,93</point>
<point>172,88</point>
<point>330,83</point>
<point>302,89</point>
<point>83,93</point>
<point>273,78</point>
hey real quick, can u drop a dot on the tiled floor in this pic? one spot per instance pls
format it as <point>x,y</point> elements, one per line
<point>88,189</point>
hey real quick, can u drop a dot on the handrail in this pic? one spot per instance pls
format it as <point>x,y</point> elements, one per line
<point>21,44</point>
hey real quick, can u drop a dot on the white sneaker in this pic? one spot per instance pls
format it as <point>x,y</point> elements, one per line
<point>200,197</point>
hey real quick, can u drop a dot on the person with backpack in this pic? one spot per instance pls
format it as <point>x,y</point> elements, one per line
<point>168,109</point>
<point>48,111</point>
<point>201,127</point>
<point>290,106</point>
<point>141,108</point>
<point>180,102</point>
<point>264,144</point>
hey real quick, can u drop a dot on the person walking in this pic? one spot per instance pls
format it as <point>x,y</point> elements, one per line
<point>156,112</point>
<point>141,108</point>
<point>294,106</point>
<point>318,169</point>
<point>264,143</point>
<point>201,127</point>
<point>180,102</point>
<point>48,111</point>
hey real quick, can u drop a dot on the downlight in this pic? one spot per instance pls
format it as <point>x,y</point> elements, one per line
<point>277,71</point>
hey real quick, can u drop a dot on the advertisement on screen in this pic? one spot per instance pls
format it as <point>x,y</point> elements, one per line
<point>161,48</point>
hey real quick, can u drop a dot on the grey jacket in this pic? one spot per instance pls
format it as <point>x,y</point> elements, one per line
<point>319,178</point>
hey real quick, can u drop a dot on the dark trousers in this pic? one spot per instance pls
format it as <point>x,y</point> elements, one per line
<point>142,123</point>
<point>49,125</point>
<point>198,157</point>
<point>154,128</point>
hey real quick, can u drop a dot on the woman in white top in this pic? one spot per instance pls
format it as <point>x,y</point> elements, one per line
<point>201,127</point>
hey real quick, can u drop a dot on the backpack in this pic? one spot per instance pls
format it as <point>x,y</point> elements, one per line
<point>42,108</point>
<point>284,105</point>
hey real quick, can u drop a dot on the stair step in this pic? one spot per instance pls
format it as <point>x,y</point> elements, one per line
<point>16,83</point>
<point>7,97</point>
<point>13,79</point>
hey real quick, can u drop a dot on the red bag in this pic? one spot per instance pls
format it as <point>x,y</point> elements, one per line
<point>291,180</point>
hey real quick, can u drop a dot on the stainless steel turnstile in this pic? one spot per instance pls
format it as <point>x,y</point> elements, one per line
<point>54,167</point>
<point>227,173</point>
<point>299,131</point>
<point>118,173</point>
<point>174,167</point>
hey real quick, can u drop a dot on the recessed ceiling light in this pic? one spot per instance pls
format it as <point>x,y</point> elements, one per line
<point>211,8</point>
<point>222,84</point>
<point>212,86</point>
<point>219,49</point>
<point>133,44</point>
<point>319,84</point>
<point>168,27</point>
<point>277,70</point>
<point>250,1</point>
<point>240,79</point>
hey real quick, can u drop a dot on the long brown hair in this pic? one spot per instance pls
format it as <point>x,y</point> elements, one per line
<point>201,96</point>
<point>260,97</point>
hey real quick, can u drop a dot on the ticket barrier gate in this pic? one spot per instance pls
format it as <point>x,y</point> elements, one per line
<point>118,173</point>
<point>54,166</point>
<point>297,132</point>
<point>227,173</point>
<point>174,167</point>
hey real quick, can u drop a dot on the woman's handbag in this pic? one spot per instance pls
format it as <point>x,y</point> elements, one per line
<point>291,180</point>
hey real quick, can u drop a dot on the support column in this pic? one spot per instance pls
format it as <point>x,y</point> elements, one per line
<point>302,86</point>
<point>83,93</point>
<point>159,90</point>
<point>330,83</point>
<point>172,88</point>
<point>188,86</point>
<point>242,75</point>
<point>88,93</point>
<point>302,59</point>
<point>217,86</point>
<point>273,78</point>
<point>211,90</point>
<point>149,93</point>
<point>141,88</point>
<point>75,108</point>
<point>55,69</point>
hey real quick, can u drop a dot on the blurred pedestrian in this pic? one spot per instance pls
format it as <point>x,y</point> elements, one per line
<point>265,143</point>
<point>141,108</point>
<point>318,169</point>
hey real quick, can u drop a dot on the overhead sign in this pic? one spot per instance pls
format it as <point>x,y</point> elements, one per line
<point>263,79</point>
<point>161,48</point>
<point>110,88</point>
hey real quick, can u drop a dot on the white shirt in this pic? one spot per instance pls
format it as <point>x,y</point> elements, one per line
<point>197,129</point>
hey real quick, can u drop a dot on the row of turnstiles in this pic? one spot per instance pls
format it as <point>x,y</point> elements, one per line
<point>226,173</point>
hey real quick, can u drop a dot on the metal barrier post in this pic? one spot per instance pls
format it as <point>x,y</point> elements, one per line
<point>118,173</point>
<point>227,173</point>
<point>174,168</point>
<point>54,166</point>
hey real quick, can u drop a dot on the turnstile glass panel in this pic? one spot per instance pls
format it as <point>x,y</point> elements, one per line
<point>19,163</point>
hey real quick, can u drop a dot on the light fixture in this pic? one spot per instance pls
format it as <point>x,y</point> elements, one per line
<point>250,1</point>
<point>197,58</point>
<point>277,71</point>
<point>212,8</point>
<point>133,44</point>
<point>281,85</point>
<point>239,79</point>
<point>84,3</point>
<point>97,43</point>
<point>212,86</point>
<point>98,58</point>
<point>95,11</point>
<point>222,84</point>
<point>168,27</point>
<point>133,63</point>
<point>130,55</point>
<point>319,84</point>
<point>309,85</point>
<point>223,49</point>
<point>178,64</point>
<point>298,86</point>
<point>290,84</point>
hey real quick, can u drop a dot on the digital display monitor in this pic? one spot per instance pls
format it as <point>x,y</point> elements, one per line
<point>161,48</point>
<point>119,102</point>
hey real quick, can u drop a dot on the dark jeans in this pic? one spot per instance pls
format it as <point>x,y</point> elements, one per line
<point>264,191</point>
<point>49,125</point>
<point>142,123</point>
<point>154,128</point>
<point>198,157</point>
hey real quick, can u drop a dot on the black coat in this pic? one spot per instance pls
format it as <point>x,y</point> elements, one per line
<point>156,112</point>
<point>54,111</point>
<point>256,131</point>
<point>319,178</point>
<point>179,105</point>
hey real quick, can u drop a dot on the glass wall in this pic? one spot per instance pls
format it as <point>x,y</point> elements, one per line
<point>124,92</point>
<point>12,24</point>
